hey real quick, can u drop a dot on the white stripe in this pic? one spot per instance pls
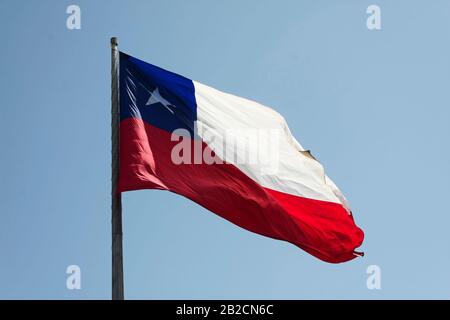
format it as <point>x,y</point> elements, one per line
<point>296,173</point>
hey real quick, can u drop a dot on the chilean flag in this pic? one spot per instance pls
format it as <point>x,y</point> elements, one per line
<point>233,156</point>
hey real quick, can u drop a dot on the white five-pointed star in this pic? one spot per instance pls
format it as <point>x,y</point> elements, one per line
<point>155,97</point>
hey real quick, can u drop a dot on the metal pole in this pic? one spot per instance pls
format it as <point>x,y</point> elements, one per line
<point>116,197</point>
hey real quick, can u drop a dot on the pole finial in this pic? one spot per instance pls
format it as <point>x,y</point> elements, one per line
<point>114,42</point>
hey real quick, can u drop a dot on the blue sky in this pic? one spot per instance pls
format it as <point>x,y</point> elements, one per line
<point>373,106</point>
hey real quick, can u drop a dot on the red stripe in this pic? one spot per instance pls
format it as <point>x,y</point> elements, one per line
<point>324,229</point>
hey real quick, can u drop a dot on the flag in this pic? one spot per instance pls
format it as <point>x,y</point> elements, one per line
<point>233,156</point>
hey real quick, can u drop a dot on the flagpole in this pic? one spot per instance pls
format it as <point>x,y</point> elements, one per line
<point>116,197</point>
